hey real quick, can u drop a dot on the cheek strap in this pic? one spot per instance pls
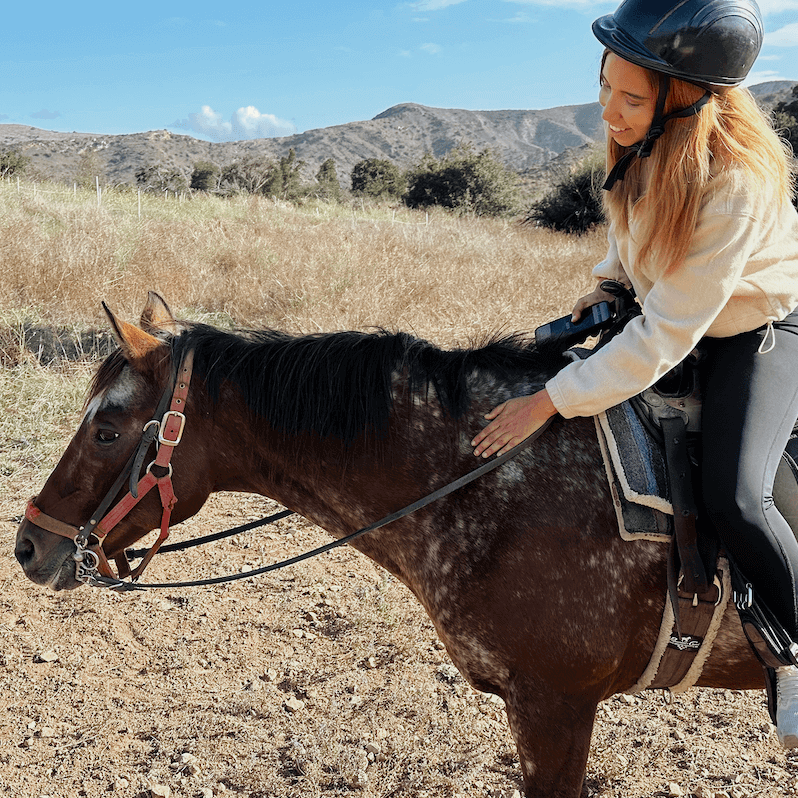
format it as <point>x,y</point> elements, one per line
<point>643,148</point>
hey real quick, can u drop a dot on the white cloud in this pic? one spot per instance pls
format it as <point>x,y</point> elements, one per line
<point>432,49</point>
<point>246,123</point>
<point>777,6</point>
<point>45,114</point>
<point>763,76</point>
<point>434,5</point>
<point>783,37</point>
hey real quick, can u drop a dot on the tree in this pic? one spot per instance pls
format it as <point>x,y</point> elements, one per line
<point>13,163</point>
<point>158,177</point>
<point>285,180</point>
<point>574,204</point>
<point>90,167</point>
<point>464,181</point>
<point>379,179</point>
<point>253,175</point>
<point>205,176</point>
<point>327,179</point>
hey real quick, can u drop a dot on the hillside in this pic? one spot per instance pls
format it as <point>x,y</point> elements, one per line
<point>525,140</point>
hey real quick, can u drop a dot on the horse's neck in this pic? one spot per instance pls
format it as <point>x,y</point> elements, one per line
<point>343,488</point>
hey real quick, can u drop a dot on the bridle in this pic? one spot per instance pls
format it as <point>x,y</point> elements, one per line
<point>165,429</point>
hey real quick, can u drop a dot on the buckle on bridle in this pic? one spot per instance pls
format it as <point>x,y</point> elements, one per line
<point>181,419</point>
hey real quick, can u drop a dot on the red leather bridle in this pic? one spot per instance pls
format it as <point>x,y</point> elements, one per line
<point>167,429</point>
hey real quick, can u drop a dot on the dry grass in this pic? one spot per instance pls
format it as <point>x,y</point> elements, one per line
<point>252,262</point>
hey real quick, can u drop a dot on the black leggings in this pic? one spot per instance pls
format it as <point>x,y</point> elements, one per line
<point>750,407</point>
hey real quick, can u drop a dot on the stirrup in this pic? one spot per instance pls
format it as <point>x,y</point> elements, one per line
<point>771,643</point>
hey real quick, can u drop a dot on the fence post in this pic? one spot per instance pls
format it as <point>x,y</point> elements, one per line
<point>97,184</point>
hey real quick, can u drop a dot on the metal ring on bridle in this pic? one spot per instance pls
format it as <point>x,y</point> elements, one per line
<point>169,473</point>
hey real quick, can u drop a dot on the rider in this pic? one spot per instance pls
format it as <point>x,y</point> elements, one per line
<point>702,227</point>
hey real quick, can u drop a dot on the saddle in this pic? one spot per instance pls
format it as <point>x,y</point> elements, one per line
<point>651,446</point>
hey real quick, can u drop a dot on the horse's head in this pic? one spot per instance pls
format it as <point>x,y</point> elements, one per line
<point>88,481</point>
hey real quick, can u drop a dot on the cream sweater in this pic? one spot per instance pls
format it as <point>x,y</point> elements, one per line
<point>740,273</point>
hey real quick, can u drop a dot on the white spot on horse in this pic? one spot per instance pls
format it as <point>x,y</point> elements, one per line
<point>118,395</point>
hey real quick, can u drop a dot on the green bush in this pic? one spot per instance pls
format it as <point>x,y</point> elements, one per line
<point>327,179</point>
<point>205,176</point>
<point>12,163</point>
<point>252,175</point>
<point>574,204</point>
<point>465,181</point>
<point>379,179</point>
<point>285,180</point>
<point>157,177</point>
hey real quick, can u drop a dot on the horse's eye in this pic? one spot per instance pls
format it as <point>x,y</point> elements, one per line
<point>106,435</point>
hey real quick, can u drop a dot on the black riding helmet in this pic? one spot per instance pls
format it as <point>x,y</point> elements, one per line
<point>710,43</point>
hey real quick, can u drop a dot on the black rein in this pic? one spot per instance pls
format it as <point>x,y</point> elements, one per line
<point>122,586</point>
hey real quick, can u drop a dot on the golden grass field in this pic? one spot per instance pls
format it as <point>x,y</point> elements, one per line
<point>327,679</point>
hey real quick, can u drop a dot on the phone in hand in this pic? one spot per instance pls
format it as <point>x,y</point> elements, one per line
<point>595,319</point>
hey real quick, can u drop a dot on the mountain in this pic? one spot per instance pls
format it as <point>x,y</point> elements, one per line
<point>526,141</point>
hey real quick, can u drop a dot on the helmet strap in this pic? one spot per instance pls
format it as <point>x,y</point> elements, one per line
<point>642,149</point>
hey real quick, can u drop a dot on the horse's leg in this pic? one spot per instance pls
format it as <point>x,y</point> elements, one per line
<point>552,733</point>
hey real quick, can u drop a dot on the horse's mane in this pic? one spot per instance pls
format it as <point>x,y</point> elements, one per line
<point>341,384</point>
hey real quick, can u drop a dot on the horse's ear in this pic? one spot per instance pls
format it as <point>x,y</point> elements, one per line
<point>135,343</point>
<point>156,316</point>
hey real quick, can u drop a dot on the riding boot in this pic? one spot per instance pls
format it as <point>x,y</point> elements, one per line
<point>787,706</point>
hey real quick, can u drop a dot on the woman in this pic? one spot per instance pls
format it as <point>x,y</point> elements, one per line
<point>702,226</point>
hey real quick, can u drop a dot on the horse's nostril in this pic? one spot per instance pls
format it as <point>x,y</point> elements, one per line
<point>24,551</point>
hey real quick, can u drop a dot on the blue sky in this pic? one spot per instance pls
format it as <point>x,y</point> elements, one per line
<point>226,71</point>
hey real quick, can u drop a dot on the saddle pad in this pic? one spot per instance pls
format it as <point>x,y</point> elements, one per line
<point>636,472</point>
<point>637,475</point>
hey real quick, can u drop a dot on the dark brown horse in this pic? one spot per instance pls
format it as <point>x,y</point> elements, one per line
<point>529,586</point>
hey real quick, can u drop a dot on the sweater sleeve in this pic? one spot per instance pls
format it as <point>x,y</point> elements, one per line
<point>677,312</point>
<point>611,267</point>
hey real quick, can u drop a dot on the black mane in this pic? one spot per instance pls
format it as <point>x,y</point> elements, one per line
<point>340,384</point>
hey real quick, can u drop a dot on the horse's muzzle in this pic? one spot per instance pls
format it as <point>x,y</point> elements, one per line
<point>45,558</point>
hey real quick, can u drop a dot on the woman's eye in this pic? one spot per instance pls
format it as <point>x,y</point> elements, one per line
<point>106,435</point>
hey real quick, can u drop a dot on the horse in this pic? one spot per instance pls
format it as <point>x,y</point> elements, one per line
<point>529,586</point>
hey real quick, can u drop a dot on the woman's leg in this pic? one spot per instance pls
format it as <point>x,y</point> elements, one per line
<point>750,407</point>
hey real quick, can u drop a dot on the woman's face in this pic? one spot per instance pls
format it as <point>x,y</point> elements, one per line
<point>628,100</point>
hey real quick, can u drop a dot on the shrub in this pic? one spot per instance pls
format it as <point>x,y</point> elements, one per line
<point>379,179</point>
<point>205,176</point>
<point>327,179</point>
<point>12,163</point>
<point>157,177</point>
<point>253,175</point>
<point>574,204</point>
<point>464,181</point>
<point>285,179</point>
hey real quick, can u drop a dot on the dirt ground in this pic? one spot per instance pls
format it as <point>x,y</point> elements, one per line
<point>324,679</point>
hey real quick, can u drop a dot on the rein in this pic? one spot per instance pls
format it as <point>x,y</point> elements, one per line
<point>92,566</point>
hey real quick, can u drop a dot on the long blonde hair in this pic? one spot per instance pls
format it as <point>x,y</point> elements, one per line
<point>730,131</point>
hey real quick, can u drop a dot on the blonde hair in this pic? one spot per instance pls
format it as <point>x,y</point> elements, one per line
<point>730,131</point>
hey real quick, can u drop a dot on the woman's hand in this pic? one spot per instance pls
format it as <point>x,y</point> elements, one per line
<point>587,301</point>
<point>512,422</point>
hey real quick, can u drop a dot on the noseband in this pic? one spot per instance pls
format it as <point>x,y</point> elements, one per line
<point>165,429</point>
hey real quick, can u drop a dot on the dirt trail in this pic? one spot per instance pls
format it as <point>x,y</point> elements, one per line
<point>321,680</point>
